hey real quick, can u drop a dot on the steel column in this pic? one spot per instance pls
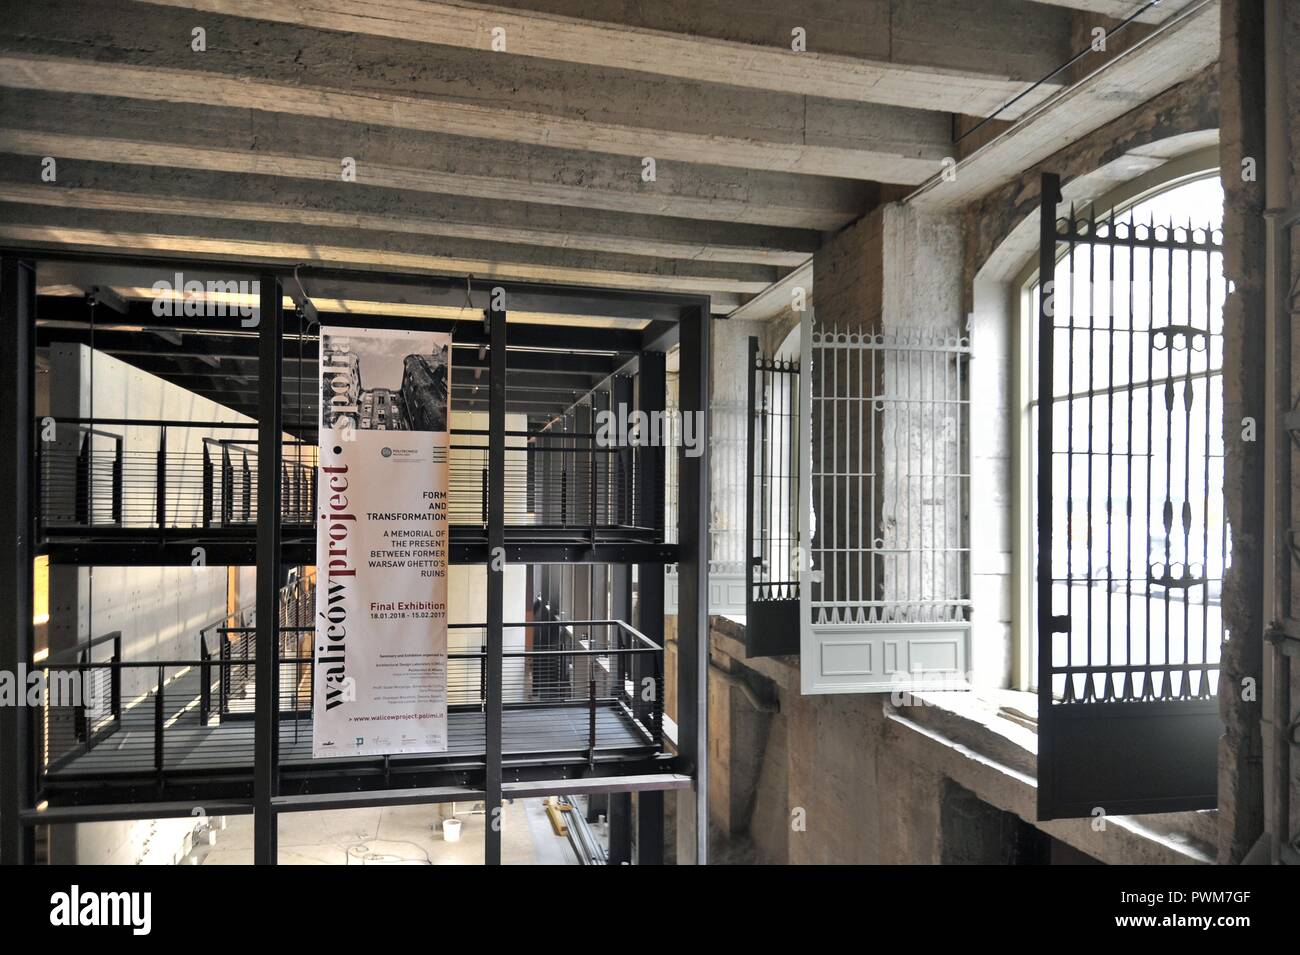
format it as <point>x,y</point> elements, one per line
<point>650,827</point>
<point>652,383</point>
<point>495,578</point>
<point>620,828</point>
<point>270,368</point>
<point>17,514</point>
<point>692,603</point>
<point>651,398</point>
<point>620,575</point>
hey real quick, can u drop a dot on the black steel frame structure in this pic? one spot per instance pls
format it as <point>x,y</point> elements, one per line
<point>667,320</point>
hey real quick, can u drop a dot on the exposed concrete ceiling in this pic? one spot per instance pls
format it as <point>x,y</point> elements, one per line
<point>1119,9</point>
<point>525,164</point>
<point>1186,45</point>
<point>340,306</point>
<point>966,57</point>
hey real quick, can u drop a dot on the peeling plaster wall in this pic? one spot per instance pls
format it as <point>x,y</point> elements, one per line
<point>848,276</point>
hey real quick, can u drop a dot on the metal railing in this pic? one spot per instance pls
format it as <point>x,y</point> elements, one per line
<point>553,478</point>
<point>88,711</point>
<point>772,487</point>
<point>227,649</point>
<point>567,686</point>
<point>136,473</point>
<point>155,473</point>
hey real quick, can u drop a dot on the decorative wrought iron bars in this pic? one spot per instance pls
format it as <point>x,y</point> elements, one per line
<point>1136,462</point>
<point>1132,540</point>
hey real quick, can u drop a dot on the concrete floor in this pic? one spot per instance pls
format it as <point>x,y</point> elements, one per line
<point>399,835</point>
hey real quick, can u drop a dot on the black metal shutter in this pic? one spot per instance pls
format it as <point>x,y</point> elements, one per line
<point>1131,537</point>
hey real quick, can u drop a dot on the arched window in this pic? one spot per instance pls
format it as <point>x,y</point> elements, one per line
<point>1126,454</point>
<point>1138,406</point>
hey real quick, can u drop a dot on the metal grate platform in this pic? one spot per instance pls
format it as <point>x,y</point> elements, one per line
<point>189,747</point>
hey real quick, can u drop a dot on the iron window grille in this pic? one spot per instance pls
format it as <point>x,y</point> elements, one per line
<point>887,597</point>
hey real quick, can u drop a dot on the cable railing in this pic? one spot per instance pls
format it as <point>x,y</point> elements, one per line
<point>577,687</point>
<point>227,648</point>
<point>153,473</point>
<point>111,473</point>
<point>592,665</point>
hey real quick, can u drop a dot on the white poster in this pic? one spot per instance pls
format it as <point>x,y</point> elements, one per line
<point>381,543</point>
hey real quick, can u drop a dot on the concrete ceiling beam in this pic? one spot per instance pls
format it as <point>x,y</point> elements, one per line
<point>1123,9</point>
<point>203,193</point>
<point>33,225</point>
<point>242,141</point>
<point>1181,48</point>
<point>960,56</point>
<point>122,50</point>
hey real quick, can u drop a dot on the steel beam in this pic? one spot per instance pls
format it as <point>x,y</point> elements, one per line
<point>495,577</point>
<point>650,827</point>
<point>299,547</point>
<point>17,526</point>
<point>620,575</point>
<point>620,828</point>
<point>693,593</point>
<point>266,731</point>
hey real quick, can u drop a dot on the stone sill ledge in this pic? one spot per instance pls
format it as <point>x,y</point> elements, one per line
<point>986,740</point>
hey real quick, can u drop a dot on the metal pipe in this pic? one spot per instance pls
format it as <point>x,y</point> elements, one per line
<point>1059,70</point>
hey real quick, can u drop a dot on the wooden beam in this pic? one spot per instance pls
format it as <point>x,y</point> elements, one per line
<point>173,136</point>
<point>960,57</point>
<point>169,191</point>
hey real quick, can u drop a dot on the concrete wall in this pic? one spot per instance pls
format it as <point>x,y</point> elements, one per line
<point>159,610</point>
<point>467,585</point>
<point>727,444</point>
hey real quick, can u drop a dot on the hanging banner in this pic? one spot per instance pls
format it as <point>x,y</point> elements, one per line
<point>381,543</point>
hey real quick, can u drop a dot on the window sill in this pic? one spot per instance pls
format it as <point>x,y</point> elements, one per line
<point>994,733</point>
<point>987,741</point>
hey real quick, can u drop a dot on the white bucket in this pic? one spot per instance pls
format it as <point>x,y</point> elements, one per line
<point>451,830</point>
